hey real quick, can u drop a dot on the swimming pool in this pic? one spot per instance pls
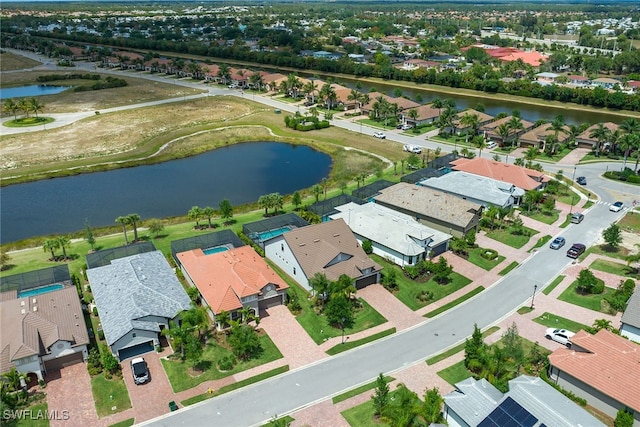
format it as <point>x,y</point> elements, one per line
<point>215,250</point>
<point>42,290</point>
<point>273,233</point>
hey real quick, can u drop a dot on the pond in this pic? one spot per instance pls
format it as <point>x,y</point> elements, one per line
<point>31,90</point>
<point>240,173</point>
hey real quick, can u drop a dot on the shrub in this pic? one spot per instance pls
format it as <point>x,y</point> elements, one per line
<point>100,334</point>
<point>489,254</point>
<point>597,287</point>
<point>226,363</point>
<point>634,179</point>
<point>367,247</point>
<point>95,311</point>
<point>293,302</point>
<point>624,418</point>
<point>424,296</point>
<point>411,271</point>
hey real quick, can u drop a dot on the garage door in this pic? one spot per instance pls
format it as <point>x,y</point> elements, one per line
<point>270,302</point>
<point>366,281</point>
<point>136,350</point>
<point>61,362</point>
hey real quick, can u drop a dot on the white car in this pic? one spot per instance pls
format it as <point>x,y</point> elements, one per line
<point>491,145</point>
<point>559,335</point>
<point>616,207</point>
<point>412,149</point>
<point>140,370</point>
<point>379,135</point>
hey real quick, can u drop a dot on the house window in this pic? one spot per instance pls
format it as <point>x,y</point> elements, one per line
<point>133,334</point>
<point>294,271</point>
<point>410,260</point>
<point>282,247</point>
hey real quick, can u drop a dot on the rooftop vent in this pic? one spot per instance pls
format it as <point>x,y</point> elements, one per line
<point>22,311</point>
<point>35,309</point>
<point>33,300</point>
<point>22,303</point>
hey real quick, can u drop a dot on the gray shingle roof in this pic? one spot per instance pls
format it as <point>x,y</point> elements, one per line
<point>131,288</point>
<point>631,315</point>
<point>464,184</point>
<point>473,400</point>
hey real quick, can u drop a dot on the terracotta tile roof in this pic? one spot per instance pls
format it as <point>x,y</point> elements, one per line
<point>495,124</point>
<point>319,247</point>
<point>542,131</point>
<point>430,203</point>
<point>586,134</point>
<point>604,361</point>
<point>226,277</point>
<point>426,112</point>
<point>54,316</point>
<point>521,177</point>
<point>533,58</point>
<point>482,117</point>
<point>402,103</point>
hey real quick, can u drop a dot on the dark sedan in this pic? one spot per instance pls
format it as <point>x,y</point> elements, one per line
<point>576,250</point>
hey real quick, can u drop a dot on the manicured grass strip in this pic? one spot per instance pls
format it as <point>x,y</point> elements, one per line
<point>566,222</point>
<point>552,321</point>
<point>358,390</point>
<point>553,284</point>
<point>348,345</point>
<point>514,240</point>
<point>37,418</point>
<point>455,373</point>
<point>613,267</point>
<point>508,268</point>
<point>524,310</point>
<point>282,421</point>
<point>235,386</point>
<point>110,396</point>
<point>455,302</point>
<point>541,241</point>
<point>453,350</point>
<point>476,258</point>
<point>590,301</point>
<point>544,216</point>
<point>124,423</point>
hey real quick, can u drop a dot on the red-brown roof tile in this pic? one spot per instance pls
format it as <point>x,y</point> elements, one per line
<point>521,177</point>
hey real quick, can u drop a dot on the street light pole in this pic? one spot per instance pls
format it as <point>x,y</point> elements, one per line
<point>535,288</point>
<point>343,319</point>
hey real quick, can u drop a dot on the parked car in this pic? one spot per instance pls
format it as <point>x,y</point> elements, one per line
<point>140,370</point>
<point>581,180</point>
<point>233,86</point>
<point>616,207</point>
<point>557,243</point>
<point>491,145</point>
<point>309,103</point>
<point>406,126</point>
<point>416,149</point>
<point>576,250</point>
<point>559,335</point>
<point>577,218</point>
<point>379,135</point>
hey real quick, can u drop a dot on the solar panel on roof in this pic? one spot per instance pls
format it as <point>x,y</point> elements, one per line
<point>509,414</point>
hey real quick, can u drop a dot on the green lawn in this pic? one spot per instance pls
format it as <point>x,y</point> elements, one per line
<point>513,240</point>
<point>358,390</point>
<point>476,258</point>
<point>455,302</point>
<point>36,418</point>
<point>552,321</point>
<point>545,216</point>
<point>410,289</point>
<point>508,268</point>
<point>553,284</point>
<point>455,373</point>
<point>110,396</point>
<point>592,302</point>
<point>181,379</point>
<point>615,268</point>
<point>125,423</point>
<point>541,242</point>
<point>620,253</point>
<point>363,414</point>
<point>570,198</point>
<point>630,222</point>
<point>525,310</point>
<point>348,344</point>
<point>282,421</point>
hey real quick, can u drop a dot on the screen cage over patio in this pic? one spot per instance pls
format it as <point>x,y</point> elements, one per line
<point>35,279</point>
<point>370,190</point>
<point>262,230</point>
<point>104,257</point>
<point>327,207</point>
<point>205,241</point>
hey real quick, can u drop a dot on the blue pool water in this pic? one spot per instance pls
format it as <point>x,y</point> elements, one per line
<point>273,233</point>
<point>31,90</point>
<point>42,290</point>
<point>215,250</point>
<point>445,169</point>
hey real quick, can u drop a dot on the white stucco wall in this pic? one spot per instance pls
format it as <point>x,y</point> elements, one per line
<point>29,364</point>
<point>279,252</point>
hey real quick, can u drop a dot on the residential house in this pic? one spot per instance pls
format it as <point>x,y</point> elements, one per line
<point>533,58</point>
<point>523,178</point>
<point>530,402</point>
<point>328,248</point>
<point>415,63</point>
<point>426,115</point>
<point>601,368</point>
<point>158,65</point>
<point>240,77</point>
<point>578,81</point>
<point>42,331</point>
<point>435,209</point>
<point>547,77</point>
<point>393,235</point>
<point>232,280</point>
<point>585,140</point>
<point>477,189</point>
<point>490,130</point>
<point>634,86</point>
<point>403,104</point>
<point>459,128</point>
<point>630,321</point>
<point>272,80</point>
<point>537,137</point>
<point>136,296</point>
<point>605,82</point>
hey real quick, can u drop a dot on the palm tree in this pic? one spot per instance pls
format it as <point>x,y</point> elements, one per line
<point>35,106</point>
<point>222,319</point>
<point>256,80</point>
<point>195,213</point>
<point>530,155</point>
<point>601,133</point>
<point>437,103</point>
<point>600,324</point>
<point>635,258</point>
<point>293,85</point>
<point>317,191</point>
<point>503,131</point>
<point>123,220</point>
<point>479,143</point>
<point>515,124</point>
<point>50,245</point>
<point>470,121</point>
<point>413,115</point>
<point>9,105</point>
<point>63,242</point>
<point>134,219</point>
<point>208,213</point>
<point>557,125</point>
<point>23,105</point>
<point>626,142</point>
<point>631,127</point>
<point>224,73</point>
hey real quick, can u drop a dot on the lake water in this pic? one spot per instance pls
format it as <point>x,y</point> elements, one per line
<point>31,90</point>
<point>240,173</point>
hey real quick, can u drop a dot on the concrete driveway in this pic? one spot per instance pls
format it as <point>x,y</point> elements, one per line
<point>69,389</point>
